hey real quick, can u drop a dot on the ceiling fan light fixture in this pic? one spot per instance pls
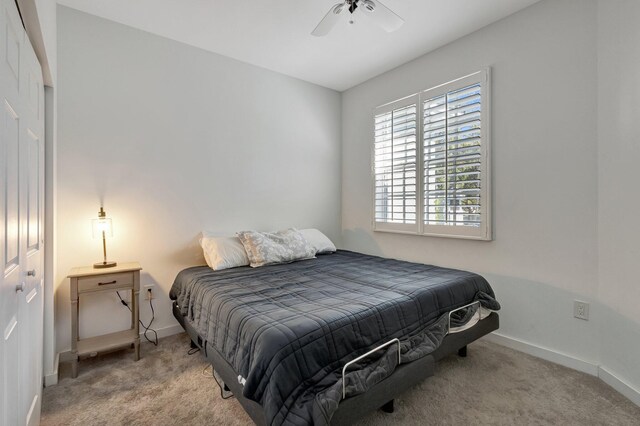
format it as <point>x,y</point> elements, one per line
<point>375,10</point>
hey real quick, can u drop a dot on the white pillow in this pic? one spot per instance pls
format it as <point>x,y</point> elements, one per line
<point>268,248</point>
<point>318,240</point>
<point>222,252</point>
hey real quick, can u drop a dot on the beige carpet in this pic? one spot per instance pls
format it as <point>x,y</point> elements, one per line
<point>493,385</point>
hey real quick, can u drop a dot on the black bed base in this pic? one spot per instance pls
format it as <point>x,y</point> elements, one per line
<point>354,408</point>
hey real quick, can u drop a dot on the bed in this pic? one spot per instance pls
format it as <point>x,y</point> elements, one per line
<point>327,340</point>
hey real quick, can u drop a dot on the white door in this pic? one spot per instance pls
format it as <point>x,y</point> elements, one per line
<point>32,193</point>
<point>21,202</point>
<point>11,296</point>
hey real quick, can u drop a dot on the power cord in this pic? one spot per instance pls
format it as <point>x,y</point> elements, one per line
<point>206,374</point>
<point>213,374</point>
<point>146,328</point>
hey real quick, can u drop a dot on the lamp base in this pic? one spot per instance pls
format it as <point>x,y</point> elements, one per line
<point>104,265</point>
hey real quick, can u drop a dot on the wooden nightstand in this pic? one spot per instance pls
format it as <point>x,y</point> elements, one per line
<point>86,279</point>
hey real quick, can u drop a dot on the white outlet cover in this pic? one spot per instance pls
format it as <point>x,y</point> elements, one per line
<point>581,310</point>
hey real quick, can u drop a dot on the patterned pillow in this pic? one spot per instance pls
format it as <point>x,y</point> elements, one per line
<point>267,248</point>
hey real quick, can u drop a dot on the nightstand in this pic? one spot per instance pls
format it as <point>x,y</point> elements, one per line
<point>86,279</point>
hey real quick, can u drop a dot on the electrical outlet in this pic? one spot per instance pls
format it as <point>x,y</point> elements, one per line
<point>148,292</point>
<point>581,310</point>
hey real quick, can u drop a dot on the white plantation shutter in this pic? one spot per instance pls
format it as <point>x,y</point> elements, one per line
<point>396,165</point>
<point>453,171</point>
<point>453,157</point>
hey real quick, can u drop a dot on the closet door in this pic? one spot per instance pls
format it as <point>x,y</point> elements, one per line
<point>21,218</point>
<point>11,290</point>
<point>32,193</point>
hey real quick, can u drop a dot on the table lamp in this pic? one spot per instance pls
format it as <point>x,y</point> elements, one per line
<point>102,228</point>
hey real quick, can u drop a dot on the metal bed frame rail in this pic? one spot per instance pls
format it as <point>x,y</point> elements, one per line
<point>477,302</point>
<point>347,365</point>
<point>397,341</point>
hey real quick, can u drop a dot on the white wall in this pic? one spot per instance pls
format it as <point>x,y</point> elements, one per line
<point>618,206</point>
<point>544,253</point>
<point>173,140</point>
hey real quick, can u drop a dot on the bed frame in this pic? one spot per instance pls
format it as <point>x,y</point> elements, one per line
<point>380,396</point>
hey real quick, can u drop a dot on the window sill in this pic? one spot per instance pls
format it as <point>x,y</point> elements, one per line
<point>434,234</point>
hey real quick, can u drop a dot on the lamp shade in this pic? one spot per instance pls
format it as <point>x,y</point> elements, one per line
<point>102,229</point>
<point>101,225</point>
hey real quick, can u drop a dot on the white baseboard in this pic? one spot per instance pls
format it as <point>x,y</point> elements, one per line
<point>544,353</point>
<point>568,361</point>
<point>51,379</point>
<point>65,356</point>
<point>620,385</point>
<point>167,331</point>
<point>162,332</point>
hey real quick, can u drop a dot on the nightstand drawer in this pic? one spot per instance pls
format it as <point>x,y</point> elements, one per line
<point>105,282</point>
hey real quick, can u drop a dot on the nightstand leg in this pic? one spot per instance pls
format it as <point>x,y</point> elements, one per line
<point>74,327</point>
<point>136,323</point>
<point>137,345</point>
<point>74,365</point>
<point>133,312</point>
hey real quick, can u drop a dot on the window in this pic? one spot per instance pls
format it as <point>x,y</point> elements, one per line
<point>431,161</point>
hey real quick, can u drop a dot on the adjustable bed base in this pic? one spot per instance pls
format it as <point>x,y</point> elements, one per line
<point>356,407</point>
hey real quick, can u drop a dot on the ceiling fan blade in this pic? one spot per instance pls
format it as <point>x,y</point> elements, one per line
<point>329,20</point>
<point>382,15</point>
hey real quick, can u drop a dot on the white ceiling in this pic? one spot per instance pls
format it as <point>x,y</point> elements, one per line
<point>275,34</point>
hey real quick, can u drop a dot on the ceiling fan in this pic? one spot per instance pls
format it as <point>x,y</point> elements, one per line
<point>376,11</point>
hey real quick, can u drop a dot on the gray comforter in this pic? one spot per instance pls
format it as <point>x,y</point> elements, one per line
<point>288,329</point>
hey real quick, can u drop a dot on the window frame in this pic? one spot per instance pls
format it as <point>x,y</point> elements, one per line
<point>482,232</point>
